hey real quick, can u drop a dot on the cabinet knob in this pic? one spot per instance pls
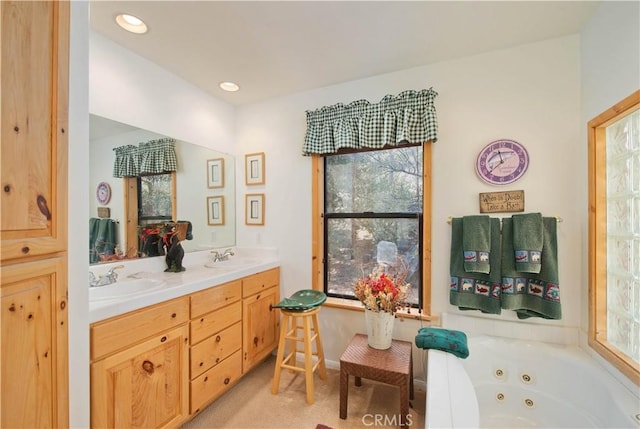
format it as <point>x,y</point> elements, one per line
<point>163,339</point>
<point>173,315</point>
<point>217,359</point>
<point>218,339</point>
<point>201,363</point>
<point>227,380</point>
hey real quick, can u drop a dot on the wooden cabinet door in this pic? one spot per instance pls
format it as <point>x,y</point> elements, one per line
<point>260,326</point>
<point>33,354</point>
<point>145,386</point>
<point>34,49</point>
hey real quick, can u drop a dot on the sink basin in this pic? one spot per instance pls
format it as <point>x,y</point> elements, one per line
<point>124,289</point>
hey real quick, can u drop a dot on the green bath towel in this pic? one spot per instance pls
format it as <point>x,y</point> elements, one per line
<point>469,290</point>
<point>531,294</point>
<point>476,243</point>
<point>527,242</point>
<point>447,340</point>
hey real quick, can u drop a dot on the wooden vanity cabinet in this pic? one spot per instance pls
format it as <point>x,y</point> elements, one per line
<point>34,53</point>
<point>140,368</point>
<point>216,342</point>
<point>161,365</point>
<point>260,322</point>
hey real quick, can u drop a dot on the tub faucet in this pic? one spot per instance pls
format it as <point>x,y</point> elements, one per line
<point>109,278</point>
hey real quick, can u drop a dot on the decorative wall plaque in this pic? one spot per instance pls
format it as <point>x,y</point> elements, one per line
<point>104,212</point>
<point>502,202</point>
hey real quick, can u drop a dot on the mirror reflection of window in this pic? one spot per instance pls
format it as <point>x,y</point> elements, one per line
<point>154,198</point>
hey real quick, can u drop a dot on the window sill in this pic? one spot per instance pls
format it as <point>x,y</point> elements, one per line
<point>353,305</point>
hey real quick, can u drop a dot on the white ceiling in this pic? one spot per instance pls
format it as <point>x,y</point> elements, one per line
<point>277,48</point>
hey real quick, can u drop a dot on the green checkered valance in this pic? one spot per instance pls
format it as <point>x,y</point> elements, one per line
<point>409,117</point>
<point>126,163</point>
<point>152,157</point>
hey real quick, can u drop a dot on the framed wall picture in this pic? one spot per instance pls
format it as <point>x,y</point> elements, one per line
<point>254,209</point>
<point>215,210</point>
<point>254,168</point>
<point>215,173</point>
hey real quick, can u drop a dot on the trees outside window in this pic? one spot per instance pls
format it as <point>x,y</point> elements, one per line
<point>373,217</point>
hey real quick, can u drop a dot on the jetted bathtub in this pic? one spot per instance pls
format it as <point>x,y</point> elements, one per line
<point>510,383</point>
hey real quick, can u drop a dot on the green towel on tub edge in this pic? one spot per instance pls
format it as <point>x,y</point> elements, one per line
<point>454,342</point>
<point>530,294</point>
<point>471,290</point>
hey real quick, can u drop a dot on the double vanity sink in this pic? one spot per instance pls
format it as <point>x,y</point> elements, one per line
<point>143,282</point>
<point>164,345</point>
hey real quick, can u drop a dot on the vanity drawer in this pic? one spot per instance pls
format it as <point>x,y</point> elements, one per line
<point>114,334</point>
<point>208,324</point>
<point>216,381</point>
<point>215,297</point>
<point>215,349</point>
<point>259,282</point>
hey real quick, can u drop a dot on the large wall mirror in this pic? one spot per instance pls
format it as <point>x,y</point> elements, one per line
<point>203,190</point>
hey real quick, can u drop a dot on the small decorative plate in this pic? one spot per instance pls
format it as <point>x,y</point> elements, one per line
<point>103,192</point>
<point>502,162</point>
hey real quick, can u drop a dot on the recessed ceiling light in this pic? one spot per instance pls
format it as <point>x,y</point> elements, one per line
<point>229,86</point>
<point>131,23</point>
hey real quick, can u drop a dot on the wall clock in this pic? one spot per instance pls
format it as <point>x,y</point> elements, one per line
<point>103,192</point>
<point>502,162</point>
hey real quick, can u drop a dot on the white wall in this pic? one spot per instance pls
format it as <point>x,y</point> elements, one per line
<point>610,64</point>
<point>78,213</point>
<point>529,93</point>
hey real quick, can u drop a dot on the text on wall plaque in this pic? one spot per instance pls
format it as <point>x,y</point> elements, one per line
<point>502,202</point>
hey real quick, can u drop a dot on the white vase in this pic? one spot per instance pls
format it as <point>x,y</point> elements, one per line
<point>379,328</point>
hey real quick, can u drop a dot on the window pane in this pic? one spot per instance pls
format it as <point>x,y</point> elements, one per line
<point>623,233</point>
<point>356,246</point>
<point>379,181</point>
<point>155,196</point>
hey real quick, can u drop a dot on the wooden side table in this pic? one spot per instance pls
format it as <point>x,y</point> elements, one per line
<point>392,366</point>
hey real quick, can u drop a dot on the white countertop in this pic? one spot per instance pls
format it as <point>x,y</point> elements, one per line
<point>196,277</point>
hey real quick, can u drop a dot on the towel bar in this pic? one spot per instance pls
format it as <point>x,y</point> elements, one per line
<point>558,219</point>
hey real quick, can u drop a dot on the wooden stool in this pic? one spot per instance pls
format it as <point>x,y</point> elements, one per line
<point>289,331</point>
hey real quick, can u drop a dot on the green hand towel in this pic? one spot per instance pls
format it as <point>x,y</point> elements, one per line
<point>476,243</point>
<point>454,342</point>
<point>530,294</point>
<point>527,242</point>
<point>103,237</point>
<point>469,290</point>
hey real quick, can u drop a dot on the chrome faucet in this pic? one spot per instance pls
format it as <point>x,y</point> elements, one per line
<point>217,256</point>
<point>109,278</point>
